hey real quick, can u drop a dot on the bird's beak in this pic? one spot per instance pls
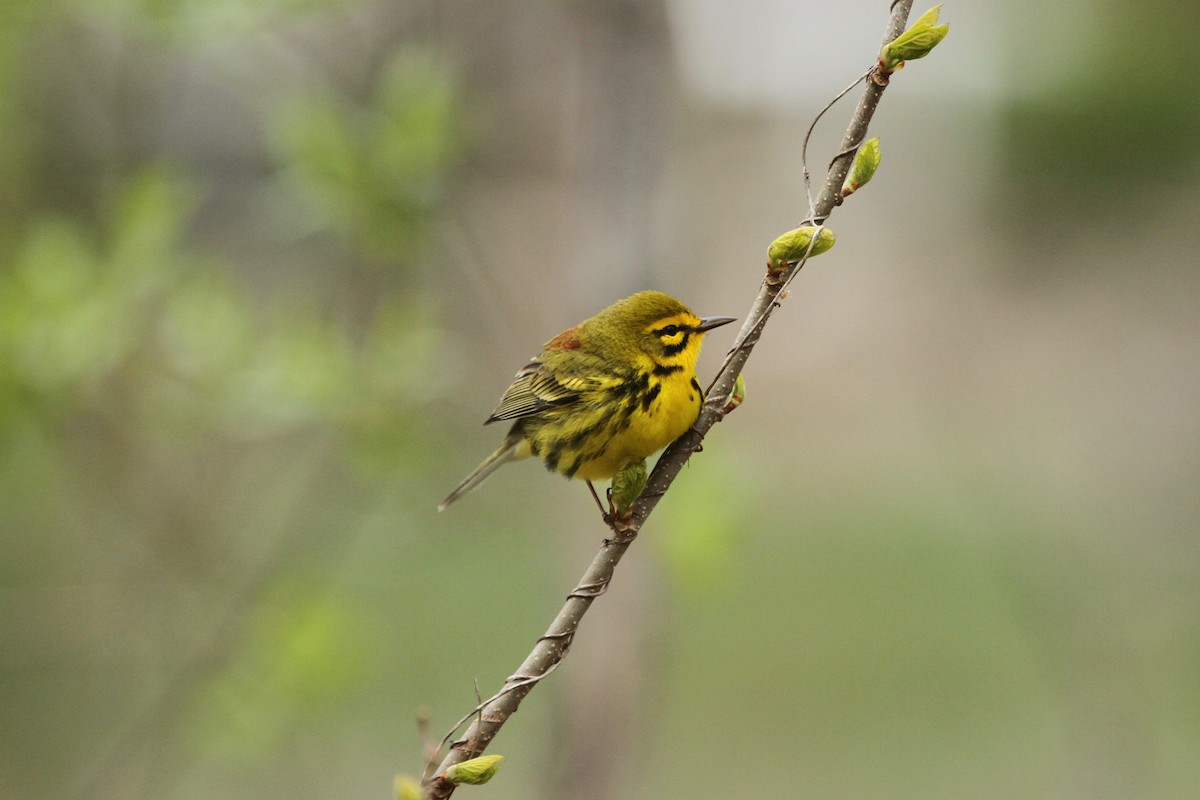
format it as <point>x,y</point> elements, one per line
<point>708,323</point>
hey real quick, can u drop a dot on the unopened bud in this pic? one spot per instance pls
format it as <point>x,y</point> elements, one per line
<point>793,245</point>
<point>474,771</point>
<point>406,788</point>
<point>737,396</point>
<point>866,161</point>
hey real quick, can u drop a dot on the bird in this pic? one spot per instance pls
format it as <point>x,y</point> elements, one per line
<point>604,394</point>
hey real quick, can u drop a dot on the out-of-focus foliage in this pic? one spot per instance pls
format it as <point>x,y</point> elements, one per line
<point>1100,106</point>
<point>374,174</point>
<point>176,417</point>
<point>699,540</point>
<point>129,310</point>
<point>303,653</point>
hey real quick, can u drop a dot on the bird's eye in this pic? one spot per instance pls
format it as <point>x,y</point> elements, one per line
<point>670,330</point>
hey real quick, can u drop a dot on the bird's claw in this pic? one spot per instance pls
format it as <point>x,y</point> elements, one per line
<point>613,518</point>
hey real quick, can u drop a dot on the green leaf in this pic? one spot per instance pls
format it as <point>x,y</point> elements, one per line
<point>627,485</point>
<point>916,42</point>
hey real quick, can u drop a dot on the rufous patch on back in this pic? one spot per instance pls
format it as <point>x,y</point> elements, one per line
<point>567,340</point>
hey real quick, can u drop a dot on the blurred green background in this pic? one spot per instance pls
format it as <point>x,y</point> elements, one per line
<point>265,266</point>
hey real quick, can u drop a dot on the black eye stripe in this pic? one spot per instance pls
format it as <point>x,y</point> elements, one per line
<point>678,347</point>
<point>672,330</point>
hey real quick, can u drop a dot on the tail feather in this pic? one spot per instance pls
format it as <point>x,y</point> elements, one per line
<point>506,453</point>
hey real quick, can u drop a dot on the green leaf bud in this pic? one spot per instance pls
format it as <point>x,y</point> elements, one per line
<point>474,771</point>
<point>406,788</point>
<point>737,396</point>
<point>866,161</point>
<point>916,42</point>
<point>627,485</point>
<point>792,246</point>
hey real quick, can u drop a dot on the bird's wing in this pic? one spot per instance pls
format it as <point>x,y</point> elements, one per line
<point>537,388</point>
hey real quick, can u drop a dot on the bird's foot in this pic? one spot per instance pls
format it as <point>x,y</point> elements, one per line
<point>619,519</point>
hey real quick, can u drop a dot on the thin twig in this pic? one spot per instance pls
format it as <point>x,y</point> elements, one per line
<point>552,646</point>
<point>808,136</point>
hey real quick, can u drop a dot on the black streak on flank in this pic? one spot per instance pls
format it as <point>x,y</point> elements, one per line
<point>575,465</point>
<point>649,397</point>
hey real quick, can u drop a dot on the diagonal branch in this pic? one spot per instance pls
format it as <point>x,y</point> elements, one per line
<point>552,646</point>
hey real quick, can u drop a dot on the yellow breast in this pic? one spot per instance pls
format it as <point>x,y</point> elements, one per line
<point>672,409</point>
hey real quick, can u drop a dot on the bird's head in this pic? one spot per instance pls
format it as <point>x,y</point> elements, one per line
<point>657,326</point>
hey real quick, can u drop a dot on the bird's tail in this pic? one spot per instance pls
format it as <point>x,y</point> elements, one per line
<point>509,451</point>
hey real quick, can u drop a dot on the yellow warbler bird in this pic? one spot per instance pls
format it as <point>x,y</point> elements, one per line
<point>604,394</point>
